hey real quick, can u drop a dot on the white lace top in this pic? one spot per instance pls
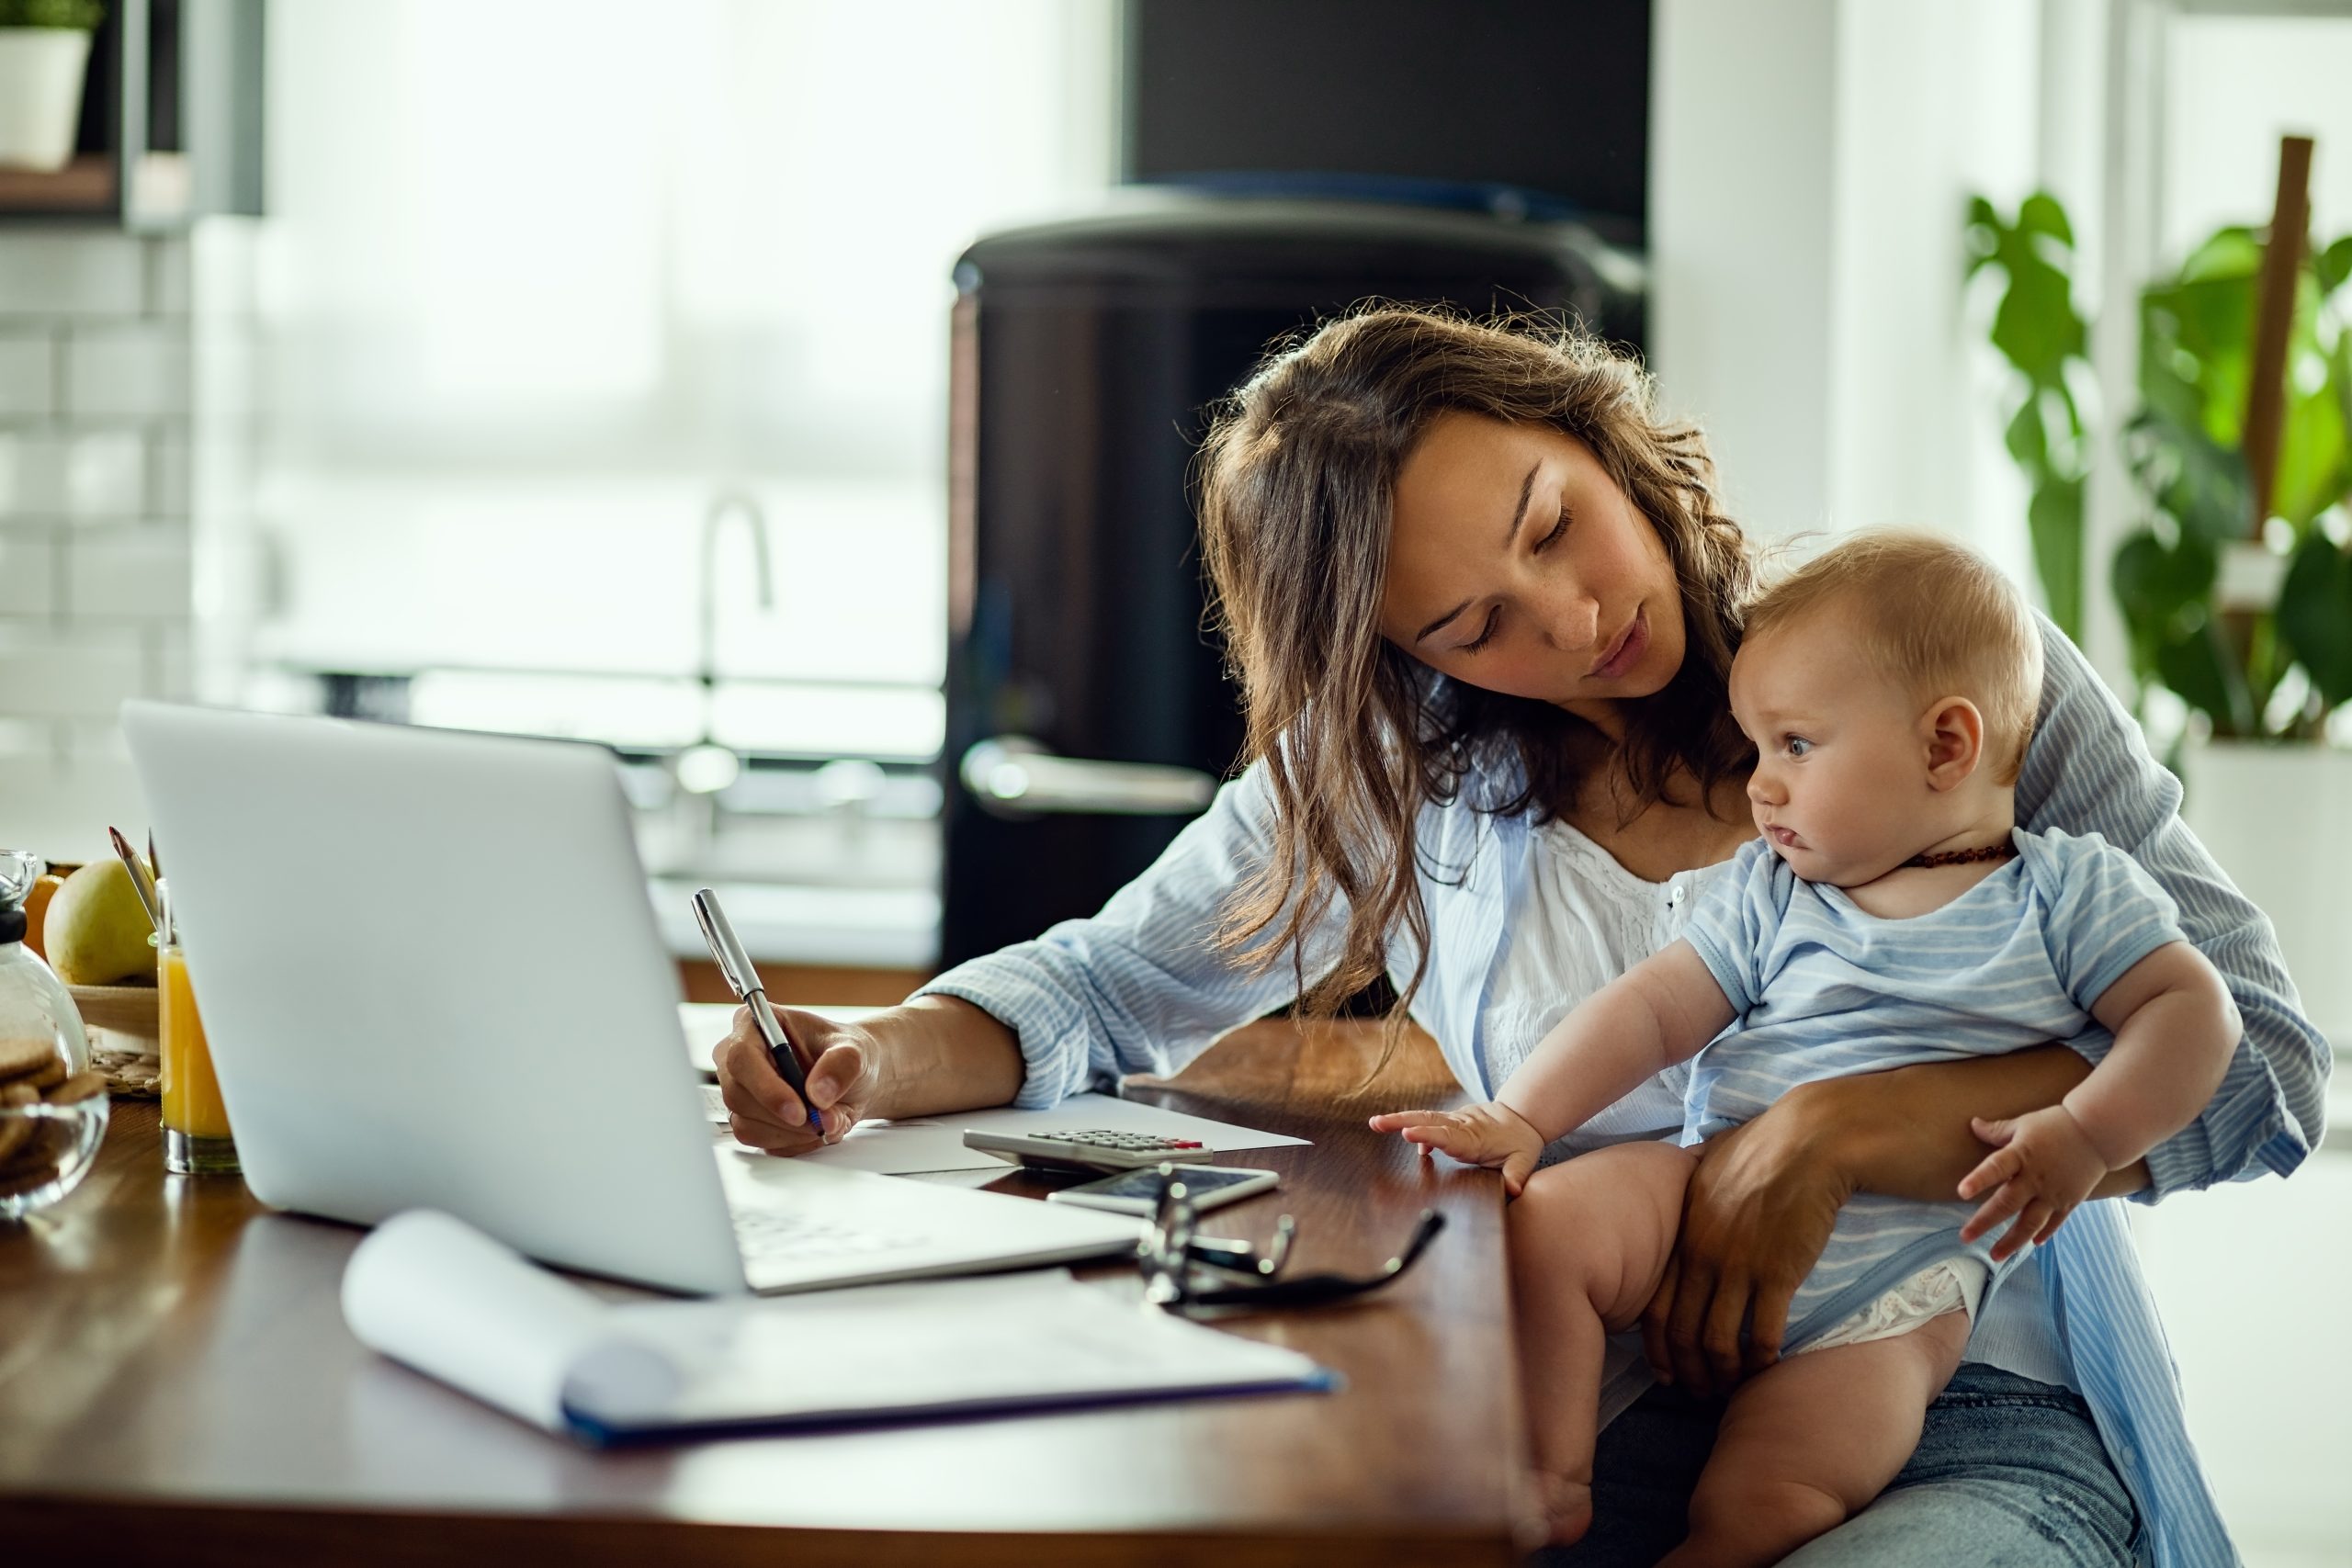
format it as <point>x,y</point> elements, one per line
<point>1584,920</point>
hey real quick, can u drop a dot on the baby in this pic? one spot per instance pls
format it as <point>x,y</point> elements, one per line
<point>1891,913</point>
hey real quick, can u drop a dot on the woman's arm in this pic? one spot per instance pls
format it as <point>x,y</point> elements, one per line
<point>1906,1132</point>
<point>2088,771</point>
<point>1765,1195</point>
<point>1138,987</point>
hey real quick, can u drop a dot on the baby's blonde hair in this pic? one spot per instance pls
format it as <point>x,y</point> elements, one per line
<point>1933,613</point>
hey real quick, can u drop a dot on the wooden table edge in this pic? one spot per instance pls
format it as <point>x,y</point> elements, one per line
<point>120,1529</point>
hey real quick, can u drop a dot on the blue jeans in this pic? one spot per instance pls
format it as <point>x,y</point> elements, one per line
<point>2009,1473</point>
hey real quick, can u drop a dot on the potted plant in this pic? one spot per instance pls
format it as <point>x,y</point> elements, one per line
<point>2251,629</point>
<point>2235,586</point>
<point>44,57</point>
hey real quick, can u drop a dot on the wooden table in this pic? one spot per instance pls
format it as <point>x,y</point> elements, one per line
<point>176,1385</point>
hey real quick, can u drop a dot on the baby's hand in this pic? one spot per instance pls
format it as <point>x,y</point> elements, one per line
<point>2042,1166</point>
<point>1491,1135</point>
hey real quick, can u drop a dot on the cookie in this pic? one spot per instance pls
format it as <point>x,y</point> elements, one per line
<point>34,1150</point>
<point>15,1131</point>
<point>80,1086</point>
<point>46,1150</point>
<point>26,1055</point>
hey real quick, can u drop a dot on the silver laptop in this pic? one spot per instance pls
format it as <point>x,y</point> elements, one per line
<point>431,978</point>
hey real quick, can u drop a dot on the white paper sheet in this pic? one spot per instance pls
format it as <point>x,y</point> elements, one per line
<point>1006,1340</point>
<point>434,1294</point>
<point>936,1142</point>
<point>430,1292</point>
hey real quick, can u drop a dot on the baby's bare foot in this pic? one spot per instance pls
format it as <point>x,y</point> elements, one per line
<point>1568,1507</point>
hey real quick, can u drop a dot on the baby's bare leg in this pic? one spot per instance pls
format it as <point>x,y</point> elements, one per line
<point>1806,1443</point>
<point>1588,1240</point>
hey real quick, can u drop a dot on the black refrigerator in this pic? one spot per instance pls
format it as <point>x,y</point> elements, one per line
<point>1089,716</point>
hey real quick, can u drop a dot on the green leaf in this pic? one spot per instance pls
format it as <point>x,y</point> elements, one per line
<point>2212,320</point>
<point>2036,327</point>
<point>2027,438</point>
<point>2311,457</point>
<point>2154,585</point>
<point>2333,265</point>
<point>2054,520</point>
<point>2232,253</point>
<point>2202,487</point>
<point>2315,614</point>
<point>2198,666</point>
<point>2041,214</point>
<point>77,16</point>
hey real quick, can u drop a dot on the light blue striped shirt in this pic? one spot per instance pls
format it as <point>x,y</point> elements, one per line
<point>1140,988</point>
<point>1824,988</point>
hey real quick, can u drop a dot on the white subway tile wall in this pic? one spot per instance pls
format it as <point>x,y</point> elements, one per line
<point>27,373</point>
<point>136,372</point>
<point>102,379</point>
<point>86,273</point>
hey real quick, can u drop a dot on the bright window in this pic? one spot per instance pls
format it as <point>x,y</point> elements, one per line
<point>546,277</point>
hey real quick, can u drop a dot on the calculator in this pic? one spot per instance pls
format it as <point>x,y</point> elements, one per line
<point>1082,1150</point>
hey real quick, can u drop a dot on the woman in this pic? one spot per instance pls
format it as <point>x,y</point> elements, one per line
<point>1483,603</point>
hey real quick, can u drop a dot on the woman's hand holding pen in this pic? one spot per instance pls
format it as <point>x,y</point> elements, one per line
<point>1491,1135</point>
<point>843,1072</point>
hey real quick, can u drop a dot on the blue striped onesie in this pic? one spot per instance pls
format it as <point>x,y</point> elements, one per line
<point>1823,989</point>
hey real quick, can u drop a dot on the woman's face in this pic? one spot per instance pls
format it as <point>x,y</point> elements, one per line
<point>1516,563</point>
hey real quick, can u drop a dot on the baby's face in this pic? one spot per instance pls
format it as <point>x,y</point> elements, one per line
<point>1840,787</point>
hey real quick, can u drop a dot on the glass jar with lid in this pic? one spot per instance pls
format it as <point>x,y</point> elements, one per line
<point>52,1103</point>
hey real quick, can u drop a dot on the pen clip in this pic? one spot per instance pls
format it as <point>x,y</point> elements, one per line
<point>734,964</point>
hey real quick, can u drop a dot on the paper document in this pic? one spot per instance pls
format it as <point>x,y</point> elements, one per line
<point>936,1142</point>
<point>440,1296</point>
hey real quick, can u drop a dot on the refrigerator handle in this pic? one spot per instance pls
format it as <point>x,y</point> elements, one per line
<point>1014,776</point>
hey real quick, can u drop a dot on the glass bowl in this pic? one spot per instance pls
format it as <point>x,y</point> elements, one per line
<point>49,1147</point>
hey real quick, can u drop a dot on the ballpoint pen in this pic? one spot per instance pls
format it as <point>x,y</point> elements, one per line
<point>735,966</point>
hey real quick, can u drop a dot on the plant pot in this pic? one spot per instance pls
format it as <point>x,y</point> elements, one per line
<point>2279,818</point>
<point>42,70</point>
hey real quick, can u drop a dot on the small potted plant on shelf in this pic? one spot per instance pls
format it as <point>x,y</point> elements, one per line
<point>44,58</point>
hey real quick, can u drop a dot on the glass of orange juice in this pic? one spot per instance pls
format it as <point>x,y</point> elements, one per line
<point>196,1140</point>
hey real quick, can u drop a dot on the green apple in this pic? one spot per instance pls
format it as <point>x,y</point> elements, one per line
<point>96,930</point>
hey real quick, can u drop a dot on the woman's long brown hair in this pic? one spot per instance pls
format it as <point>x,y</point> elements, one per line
<point>1296,479</point>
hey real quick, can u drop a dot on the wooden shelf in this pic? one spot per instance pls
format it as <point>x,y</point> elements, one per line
<point>84,185</point>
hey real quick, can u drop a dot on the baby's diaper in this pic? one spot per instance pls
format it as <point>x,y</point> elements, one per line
<point>1956,1284</point>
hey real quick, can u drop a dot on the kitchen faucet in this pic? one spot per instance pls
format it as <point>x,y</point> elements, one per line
<point>706,767</point>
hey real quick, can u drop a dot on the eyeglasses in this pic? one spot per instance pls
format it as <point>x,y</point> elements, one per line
<point>1182,1269</point>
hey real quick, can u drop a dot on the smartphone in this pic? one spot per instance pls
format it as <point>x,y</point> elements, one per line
<point>1137,1192</point>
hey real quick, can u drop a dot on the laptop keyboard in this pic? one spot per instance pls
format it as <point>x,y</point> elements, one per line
<point>800,1237</point>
